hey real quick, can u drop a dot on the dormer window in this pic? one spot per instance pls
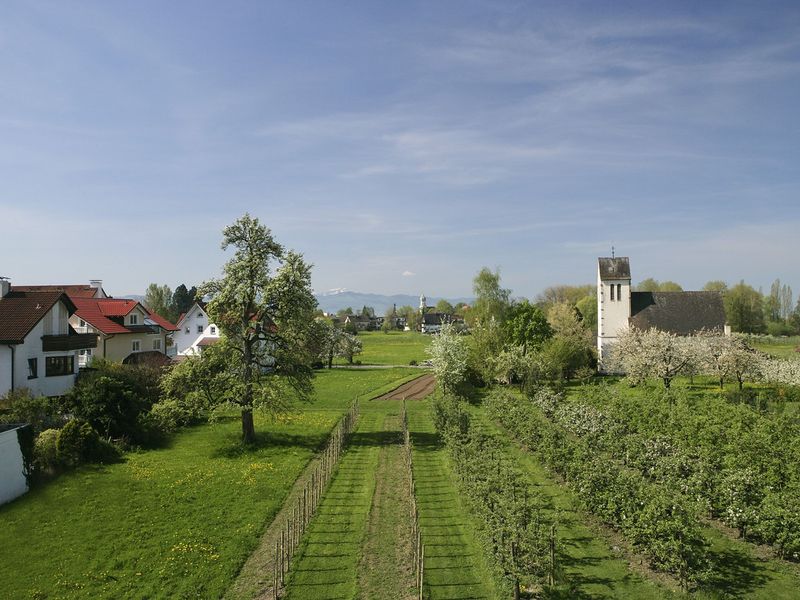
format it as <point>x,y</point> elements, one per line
<point>134,320</point>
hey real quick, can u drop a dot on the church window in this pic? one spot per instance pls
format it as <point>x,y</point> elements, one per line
<point>619,291</point>
<point>612,292</point>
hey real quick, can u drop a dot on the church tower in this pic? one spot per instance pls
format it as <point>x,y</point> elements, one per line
<point>613,303</point>
<point>422,304</point>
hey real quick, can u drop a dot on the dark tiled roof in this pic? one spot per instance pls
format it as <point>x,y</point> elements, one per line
<point>75,291</point>
<point>20,311</point>
<point>683,313</point>
<point>614,268</point>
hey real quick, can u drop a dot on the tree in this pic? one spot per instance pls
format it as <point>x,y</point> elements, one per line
<point>491,300</point>
<point>389,321</point>
<point>182,299</point>
<point>587,306</point>
<point>158,299</point>
<point>652,285</point>
<point>716,286</point>
<point>744,309</point>
<point>343,312</point>
<point>448,352</point>
<point>527,326</point>
<point>367,311</point>
<point>443,306</point>
<point>266,317</point>
<point>349,345</point>
<point>565,293</point>
<point>653,354</point>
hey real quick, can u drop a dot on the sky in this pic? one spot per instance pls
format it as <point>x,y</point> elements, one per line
<point>401,146</point>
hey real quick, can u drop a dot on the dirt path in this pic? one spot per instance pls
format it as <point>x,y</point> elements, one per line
<point>416,389</point>
<point>385,570</point>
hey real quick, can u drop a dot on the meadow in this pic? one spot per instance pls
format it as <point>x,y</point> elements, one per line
<point>393,348</point>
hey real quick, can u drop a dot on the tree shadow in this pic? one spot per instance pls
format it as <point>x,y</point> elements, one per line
<point>734,573</point>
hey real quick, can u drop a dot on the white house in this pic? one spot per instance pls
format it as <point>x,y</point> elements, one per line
<point>195,331</point>
<point>38,347</point>
<point>619,308</point>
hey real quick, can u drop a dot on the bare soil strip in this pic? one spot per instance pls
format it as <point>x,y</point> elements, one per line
<point>416,389</point>
<point>385,571</point>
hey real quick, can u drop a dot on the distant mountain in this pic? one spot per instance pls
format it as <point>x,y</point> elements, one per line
<point>137,297</point>
<point>334,300</point>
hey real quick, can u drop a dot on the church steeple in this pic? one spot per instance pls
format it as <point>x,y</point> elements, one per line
<point>422,304</point>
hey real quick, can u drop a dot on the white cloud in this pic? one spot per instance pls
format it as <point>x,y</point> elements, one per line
<point>408,273</point>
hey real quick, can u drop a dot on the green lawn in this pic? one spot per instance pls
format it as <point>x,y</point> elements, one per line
<point>455,566</point>
<point>182,518</point>
<point>777,346</point>
<point>395,348</point>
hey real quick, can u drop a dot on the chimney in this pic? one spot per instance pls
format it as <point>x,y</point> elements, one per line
<point>97,284</point>
<point>5,286</point>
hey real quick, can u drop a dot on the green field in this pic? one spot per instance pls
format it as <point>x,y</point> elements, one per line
<point>394,348</point>
<point>182,518</point>
<point>782,347</point>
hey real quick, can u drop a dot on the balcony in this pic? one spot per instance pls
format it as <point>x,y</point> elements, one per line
<point>70,341</point>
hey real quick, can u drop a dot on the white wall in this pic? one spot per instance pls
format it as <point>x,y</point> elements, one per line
<point>55,323</point>
<point>612,315</point>
<point>12,476</point>
<point>186,343</point>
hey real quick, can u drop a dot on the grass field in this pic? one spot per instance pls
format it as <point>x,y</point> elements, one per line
<point>395,348</point>
<point>182,518</point>
<point>782,347</point>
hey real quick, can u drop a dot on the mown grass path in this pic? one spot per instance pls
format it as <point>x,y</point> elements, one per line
<point>385,571</point>
<point>326,564</point>
<point>455,568</point>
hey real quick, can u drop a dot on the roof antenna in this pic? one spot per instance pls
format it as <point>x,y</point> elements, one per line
<point>612,251</point>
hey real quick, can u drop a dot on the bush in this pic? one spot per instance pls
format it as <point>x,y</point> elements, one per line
<point>112,397</point>
<point>41,412</point>
<point>45,451</point>
<point>413,363</point>
<point>78,442</point>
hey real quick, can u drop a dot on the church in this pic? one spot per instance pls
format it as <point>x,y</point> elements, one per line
<point>619,308</point>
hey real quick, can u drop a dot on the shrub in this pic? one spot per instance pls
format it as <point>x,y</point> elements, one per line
<point>45,451</point>
<point>112,397</point>
<point>41,412</point>
<point>413,363</point>
<point>78,442</point>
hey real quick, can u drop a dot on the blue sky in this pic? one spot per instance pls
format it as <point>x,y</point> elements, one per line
<point>401,145</point>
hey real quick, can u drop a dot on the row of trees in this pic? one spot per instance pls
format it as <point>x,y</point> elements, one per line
<point>161,300</point>
<point>654,354</point>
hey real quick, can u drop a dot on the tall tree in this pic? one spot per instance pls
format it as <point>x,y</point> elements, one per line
<point>744,309</point>
<point>182,299</point>
<point>527,326</point>
<point>443,306</point>
<point>158,299</point>
<point>716,285</point>
<point>491,300</point>
<point>266,317</point>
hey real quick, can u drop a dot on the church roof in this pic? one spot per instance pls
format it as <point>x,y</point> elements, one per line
<point>614,268</point>
<point>683,313</point>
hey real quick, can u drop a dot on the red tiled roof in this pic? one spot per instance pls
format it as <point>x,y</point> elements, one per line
<point>208,341</point>
<point>20,311</point>
<point>96,312</point>
<point>74,291</point>
<point>89,310</point>
<point>156,318</point>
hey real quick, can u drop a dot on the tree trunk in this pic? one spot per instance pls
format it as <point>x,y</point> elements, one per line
<point>667,382</point>
<point>741,384</point>
<point>516,589</point>
<point>248,428</point>
<point>721,383</point>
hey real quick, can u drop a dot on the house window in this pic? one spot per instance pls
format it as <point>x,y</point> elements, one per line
<point>612,292</point>
<point>157,344</point>
<point>59,365</point>
<point>213,330</point>
<point>134,319</point>
<point>136,346</point>
<point>33,368</point>
<point>83,323</point>
<point>619,292</point>
<point>199,329</point>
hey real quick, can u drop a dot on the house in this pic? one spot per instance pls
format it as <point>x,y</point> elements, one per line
<point>618,308</point>
<point>430,321</point>
<point>360,322</point>
<point>194,330</point>
<point>38,345</point>
<point>124,327</point>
